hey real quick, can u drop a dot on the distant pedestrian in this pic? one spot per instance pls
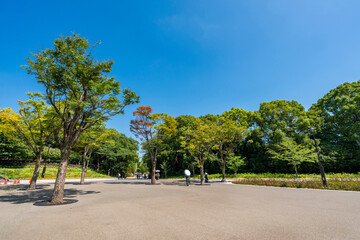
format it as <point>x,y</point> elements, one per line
<point>187,175</point>
<point>119,175</point>
<point>206,177</point>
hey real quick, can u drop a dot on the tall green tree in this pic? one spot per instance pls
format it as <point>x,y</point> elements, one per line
<point>199,142</point>
<point>33,124</point>
<point>80,92</point>
<point>289,117</point>
<point>277,120</point>
<point>240,116</point>
<point>227,134</point>
<point>340,132</point>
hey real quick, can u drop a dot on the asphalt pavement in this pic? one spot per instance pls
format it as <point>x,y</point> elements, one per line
<point>134,209</point>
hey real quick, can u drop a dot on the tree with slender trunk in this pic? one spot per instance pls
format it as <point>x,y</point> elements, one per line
<point>91,140</point>
<point>80,93</point>
<point>227,134</point>
<point>165,166</point>
<point>235,162</point>
<point>198,142</point>
<point>292,152</point>
<point>152,129</point>
<point>33,124</point>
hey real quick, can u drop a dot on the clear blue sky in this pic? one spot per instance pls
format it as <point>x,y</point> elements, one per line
<point>193,57</point>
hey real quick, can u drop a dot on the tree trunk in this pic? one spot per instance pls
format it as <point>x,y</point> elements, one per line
<point>82,180</point>
<point>98,164</point>
<point>202,174</point>
<point>223,172</point>
<point>223,163</point>
<point>35,175</point>
<point>58,194</point>
<point>322,171</point>
<point>296,170</point>
<point>153,167</point>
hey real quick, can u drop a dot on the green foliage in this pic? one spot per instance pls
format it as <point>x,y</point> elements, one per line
<point>280,116</point>
<point>143,167</point>
<point>32,124</point>
<point>118,156</point>
<point>340,131</point>
<point>199,141</point>
<point>14,149</point>
<point>77,87</point>
<point>289,150</point>
<point>234,162</point>
<point>240,116</point>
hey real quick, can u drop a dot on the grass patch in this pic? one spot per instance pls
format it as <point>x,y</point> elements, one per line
<point>346,184</point>
<point>26,172</point>
<point>286,175</point>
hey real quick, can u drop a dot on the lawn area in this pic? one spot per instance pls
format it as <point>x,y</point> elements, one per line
<point>25,172</point>
<point>286,176</point>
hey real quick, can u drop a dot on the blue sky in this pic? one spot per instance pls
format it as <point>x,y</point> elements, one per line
<point>193,57</point>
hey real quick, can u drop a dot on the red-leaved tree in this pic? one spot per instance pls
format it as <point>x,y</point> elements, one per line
<point>152,129</point>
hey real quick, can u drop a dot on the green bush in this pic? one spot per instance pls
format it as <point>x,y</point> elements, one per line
<point>334,184</point>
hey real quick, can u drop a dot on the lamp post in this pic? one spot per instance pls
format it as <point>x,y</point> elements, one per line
<point>44,169</point>
<point>322,172</point>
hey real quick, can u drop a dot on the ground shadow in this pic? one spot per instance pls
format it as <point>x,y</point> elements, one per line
<point>170,182</point>
<point>19,196</point>
<point>78,183</point>
<point>22,187</point>
<point>48,204</point>
<point>141,182</point>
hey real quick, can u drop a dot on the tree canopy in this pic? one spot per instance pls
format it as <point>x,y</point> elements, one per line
<point>80,92</point>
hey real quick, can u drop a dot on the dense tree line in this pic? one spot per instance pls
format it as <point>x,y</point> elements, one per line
<point>66,123</point>
<point>275,138</point>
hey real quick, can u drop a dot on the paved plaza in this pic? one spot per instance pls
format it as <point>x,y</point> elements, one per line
<point>134,209</point>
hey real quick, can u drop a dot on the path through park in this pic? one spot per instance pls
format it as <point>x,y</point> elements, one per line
<point>133,209</point>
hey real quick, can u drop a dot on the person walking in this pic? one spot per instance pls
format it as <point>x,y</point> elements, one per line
<point>206,177</point>
<point>119,175</point>
<point>187,175</point>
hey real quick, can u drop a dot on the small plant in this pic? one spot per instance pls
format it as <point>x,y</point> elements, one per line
<point>283,184</point>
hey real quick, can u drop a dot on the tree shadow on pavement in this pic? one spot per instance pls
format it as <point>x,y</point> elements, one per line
<point>177,182</point>
<point>22,187</point>
<point>141,182</point>
<point>42,195</point>
<point>78,183</point>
